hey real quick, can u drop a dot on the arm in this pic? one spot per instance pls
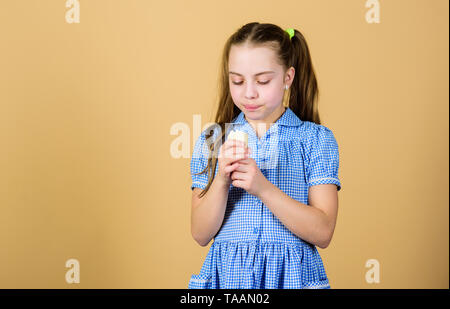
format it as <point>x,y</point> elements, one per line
<point>208,212</point>
<point>314,223</point>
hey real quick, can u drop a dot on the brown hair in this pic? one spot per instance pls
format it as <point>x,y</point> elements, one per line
<point>291,52</point>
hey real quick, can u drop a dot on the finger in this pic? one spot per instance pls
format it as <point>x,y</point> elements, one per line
<point>230,145</point>
<point>237,183</point>
<point>235,144</point>
<point>237,151</point>
<point>245,161</point>
<point>241,168</point>
<point>234,152</point>
<point>238,175</point>
<point>231,168</point>
<point>238,156</point>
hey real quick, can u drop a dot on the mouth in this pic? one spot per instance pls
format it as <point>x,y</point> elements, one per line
<point>252,107</point>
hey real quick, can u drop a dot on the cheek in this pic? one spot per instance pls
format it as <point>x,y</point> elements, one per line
<point>235,94</point>
<point>272,96</point>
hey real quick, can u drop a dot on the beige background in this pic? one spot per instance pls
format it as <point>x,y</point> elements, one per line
<point>85,117</point>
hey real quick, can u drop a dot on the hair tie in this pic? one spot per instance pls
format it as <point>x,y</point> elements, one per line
<point>291,33</point>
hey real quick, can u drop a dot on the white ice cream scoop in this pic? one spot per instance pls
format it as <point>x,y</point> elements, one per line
<point>240,136</point>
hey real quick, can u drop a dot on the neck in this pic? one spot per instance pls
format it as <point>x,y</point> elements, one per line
<point>261,129</point>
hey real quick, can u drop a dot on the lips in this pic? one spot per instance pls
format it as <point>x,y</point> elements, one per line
<point>252,107</point>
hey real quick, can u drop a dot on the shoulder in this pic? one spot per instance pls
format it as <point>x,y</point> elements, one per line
<point>316,136</point>
<point>311,131</point>
<point>306,133</point>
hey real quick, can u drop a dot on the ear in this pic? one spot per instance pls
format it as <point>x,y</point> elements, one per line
<point>289,76</point>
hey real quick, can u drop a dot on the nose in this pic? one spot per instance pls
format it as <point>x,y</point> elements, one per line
<point>250,91</point>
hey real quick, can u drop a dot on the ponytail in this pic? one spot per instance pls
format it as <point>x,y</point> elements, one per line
<point>304,89</point>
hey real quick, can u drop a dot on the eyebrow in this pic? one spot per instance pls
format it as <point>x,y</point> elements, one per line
<point>257,74</point>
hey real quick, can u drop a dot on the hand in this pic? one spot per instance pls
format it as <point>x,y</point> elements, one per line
<point>230,153</point>
<point>248,176</point>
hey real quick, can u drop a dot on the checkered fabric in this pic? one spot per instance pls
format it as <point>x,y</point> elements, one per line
<point>253,249</point>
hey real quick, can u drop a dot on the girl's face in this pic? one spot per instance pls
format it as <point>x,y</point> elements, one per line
<point>257,82</point>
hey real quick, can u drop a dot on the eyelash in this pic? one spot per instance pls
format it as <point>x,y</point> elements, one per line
<point>262,83</point>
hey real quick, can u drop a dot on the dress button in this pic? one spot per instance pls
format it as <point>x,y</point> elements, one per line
<point>255,230</point>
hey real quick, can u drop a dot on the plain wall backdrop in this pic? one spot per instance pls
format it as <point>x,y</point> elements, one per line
<point>86,110</point>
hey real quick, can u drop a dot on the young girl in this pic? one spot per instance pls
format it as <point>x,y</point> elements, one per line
<point>270,204</point>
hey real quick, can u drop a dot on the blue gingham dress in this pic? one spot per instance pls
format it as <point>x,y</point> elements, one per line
<point>253,249</point>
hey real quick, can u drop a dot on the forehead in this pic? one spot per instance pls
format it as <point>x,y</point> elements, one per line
<point>248,60</point>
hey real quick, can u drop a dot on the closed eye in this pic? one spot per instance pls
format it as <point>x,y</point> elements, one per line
<point>262,83</point>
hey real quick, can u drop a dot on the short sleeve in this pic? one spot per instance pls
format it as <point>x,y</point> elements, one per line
<point>199,161</point>
<point>324,159</point>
